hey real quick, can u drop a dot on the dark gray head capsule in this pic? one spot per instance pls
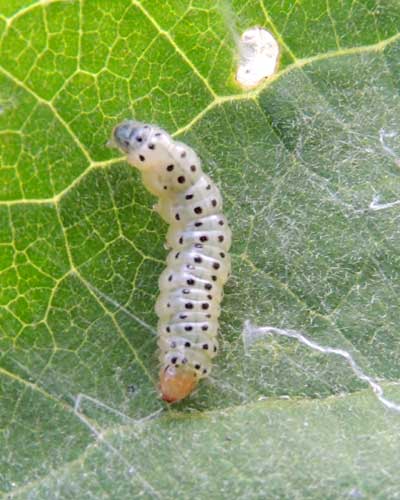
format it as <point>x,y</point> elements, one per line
<point>130,135</point>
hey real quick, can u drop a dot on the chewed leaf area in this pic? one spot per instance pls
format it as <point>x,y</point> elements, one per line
<point>308,167</point>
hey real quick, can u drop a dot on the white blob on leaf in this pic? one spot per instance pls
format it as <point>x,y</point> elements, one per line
<point>258,57</point>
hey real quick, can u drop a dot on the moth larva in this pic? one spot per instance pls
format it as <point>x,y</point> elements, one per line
<point>198,265</point>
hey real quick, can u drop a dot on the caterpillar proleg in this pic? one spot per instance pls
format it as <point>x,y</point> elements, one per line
<point>198,264</point>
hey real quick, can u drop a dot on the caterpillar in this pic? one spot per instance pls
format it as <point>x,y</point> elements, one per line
<point>198,264</point>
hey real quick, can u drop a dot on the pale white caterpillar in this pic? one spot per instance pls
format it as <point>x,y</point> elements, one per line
<point>198,264</point>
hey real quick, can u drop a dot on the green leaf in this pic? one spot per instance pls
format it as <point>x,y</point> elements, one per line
<point>301,162</point>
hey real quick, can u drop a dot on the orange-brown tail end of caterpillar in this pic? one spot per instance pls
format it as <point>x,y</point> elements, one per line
<point>176,384</point>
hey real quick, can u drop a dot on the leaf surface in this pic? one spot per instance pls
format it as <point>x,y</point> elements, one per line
<point>308,165</point>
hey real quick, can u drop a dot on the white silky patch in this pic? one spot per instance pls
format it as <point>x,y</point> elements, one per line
<point>252,333</point>
<point>258,57</point>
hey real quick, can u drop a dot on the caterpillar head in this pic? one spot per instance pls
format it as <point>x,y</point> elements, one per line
<point>147,147</point>
<point>130,136</point>
<point>166,166</point>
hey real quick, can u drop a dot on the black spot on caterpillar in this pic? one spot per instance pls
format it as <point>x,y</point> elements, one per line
<point>199,238</point>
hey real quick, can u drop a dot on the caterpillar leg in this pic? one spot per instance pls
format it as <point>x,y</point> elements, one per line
<point>157,208</point>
